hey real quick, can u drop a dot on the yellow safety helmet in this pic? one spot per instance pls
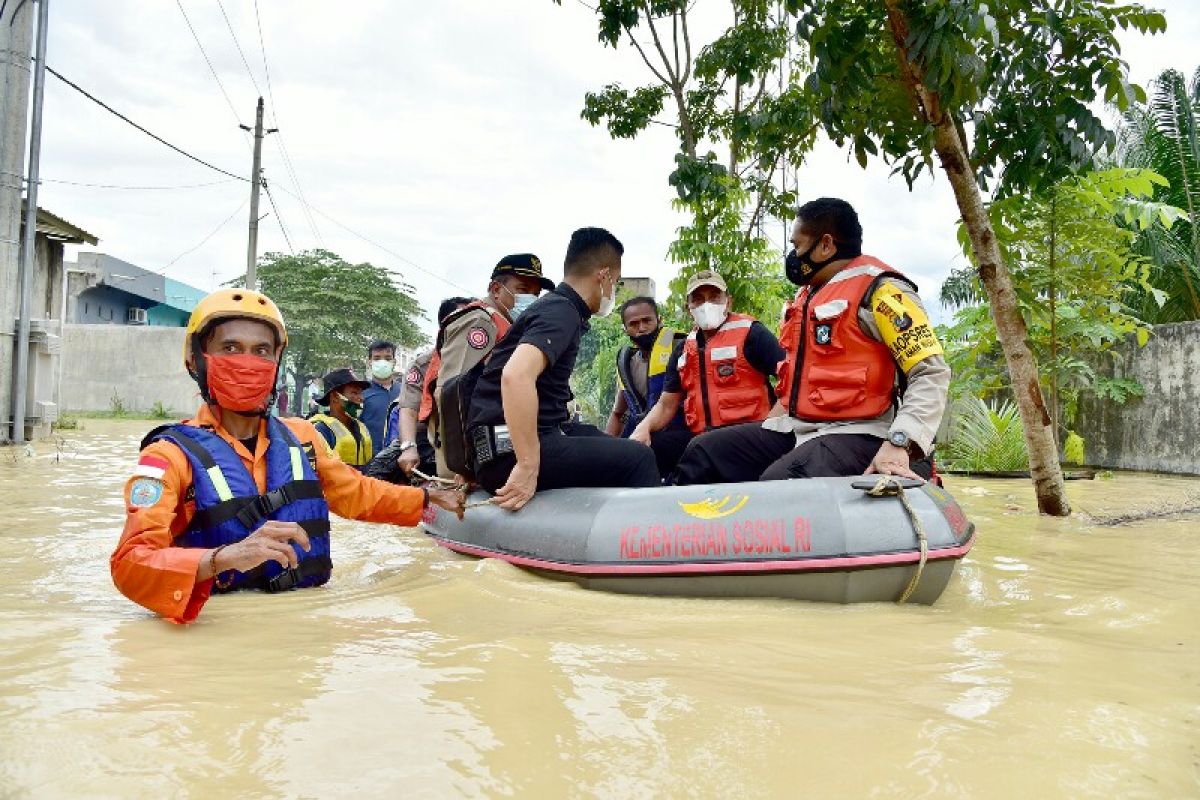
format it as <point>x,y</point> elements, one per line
<point>230,304</point>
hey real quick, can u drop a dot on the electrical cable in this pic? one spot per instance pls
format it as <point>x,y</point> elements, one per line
<point>154,136</point>
<point>386,249</point>
<point>283,151</point>
<point>203,241</point>
<point>238,45</point>
<point>278,217</point>
<point>211,69</point>
<point>136,188</point>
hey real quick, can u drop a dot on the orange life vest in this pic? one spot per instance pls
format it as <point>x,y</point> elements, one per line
<point>720,386</point>
<point>844,374</point>
<point>435,362</point>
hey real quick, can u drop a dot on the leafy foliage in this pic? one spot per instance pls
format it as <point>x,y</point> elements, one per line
<point>1021,73</point>
<point>987,438</point>
<point>1164,135</point>
<point>334,309</point>
<point>1071,252</point>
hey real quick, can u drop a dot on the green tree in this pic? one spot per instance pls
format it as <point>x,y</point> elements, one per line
<point>1075,269</point>
<point>333,309</point>
<point>734,94</point>
<point>1164,135</point>
<point>1000,93</point>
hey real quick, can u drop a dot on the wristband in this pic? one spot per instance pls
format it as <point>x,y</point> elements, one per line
<point>212,564</point>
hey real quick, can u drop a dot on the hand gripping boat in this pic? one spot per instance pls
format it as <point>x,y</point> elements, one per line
<point>839,540</point>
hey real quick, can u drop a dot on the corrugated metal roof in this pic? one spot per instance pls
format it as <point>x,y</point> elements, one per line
<point>59,229</point>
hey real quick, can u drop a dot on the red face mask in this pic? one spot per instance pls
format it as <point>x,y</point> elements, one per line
<point>240,382</point>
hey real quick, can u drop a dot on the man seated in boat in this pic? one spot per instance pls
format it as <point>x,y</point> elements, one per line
<point>341,427</point>
<point>720,374</point>
<point>522,436</point>
<point>406,445</point>
<point>466,339</point>
<point>864,384</point>
<point>236,498</point>
<point>641,373</point>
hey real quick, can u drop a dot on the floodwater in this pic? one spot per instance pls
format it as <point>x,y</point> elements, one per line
<point>1062,661</point>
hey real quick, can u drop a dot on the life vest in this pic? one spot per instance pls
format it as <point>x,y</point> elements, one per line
<point>356,453</point>
<point>720,386</point>
<point>844,374</point>
<point>229,507</point>
<point>656,367</point>
<point>435,362</point>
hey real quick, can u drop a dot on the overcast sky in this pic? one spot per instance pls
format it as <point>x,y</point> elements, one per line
<point>446,132</point>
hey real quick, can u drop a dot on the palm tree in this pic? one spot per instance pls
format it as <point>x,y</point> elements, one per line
<point>1164,136</point>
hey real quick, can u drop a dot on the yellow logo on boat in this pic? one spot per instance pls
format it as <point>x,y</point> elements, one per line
<point>709,508</point>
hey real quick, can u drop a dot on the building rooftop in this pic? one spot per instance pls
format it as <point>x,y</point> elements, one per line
<point>58,229</point>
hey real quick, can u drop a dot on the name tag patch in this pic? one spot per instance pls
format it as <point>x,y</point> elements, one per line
<point>723,353</point>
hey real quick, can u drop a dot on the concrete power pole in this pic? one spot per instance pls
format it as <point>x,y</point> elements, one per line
<point>16,39</point>
<point>28,250</point>
<point>255,185</point>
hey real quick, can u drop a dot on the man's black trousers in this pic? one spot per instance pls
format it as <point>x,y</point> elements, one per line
<point>580,455</point>
<point>750,452</point>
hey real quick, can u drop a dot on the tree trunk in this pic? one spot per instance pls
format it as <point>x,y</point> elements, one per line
<point>1010,326</point>
<point>1054,405</point>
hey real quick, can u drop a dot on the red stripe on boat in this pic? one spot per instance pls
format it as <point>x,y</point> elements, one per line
<point>715,567</point>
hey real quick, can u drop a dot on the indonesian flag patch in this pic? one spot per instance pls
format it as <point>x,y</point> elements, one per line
<point>151,467</point>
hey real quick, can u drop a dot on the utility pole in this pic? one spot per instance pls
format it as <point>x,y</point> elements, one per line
<point>255,185</point>
<point>28,253</point>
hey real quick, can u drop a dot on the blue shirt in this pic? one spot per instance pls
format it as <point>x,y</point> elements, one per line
<point>376,400</point>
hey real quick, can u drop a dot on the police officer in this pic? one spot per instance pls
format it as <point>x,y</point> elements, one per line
<point>518,419</point>
<point>641,375</point>
<point>468,337</point>
<point>864,385</point>
<point>235,498</point>
<point>721,373</point>
<point>341,427</point>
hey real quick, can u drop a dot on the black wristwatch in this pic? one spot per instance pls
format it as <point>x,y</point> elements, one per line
<point>900,439</point>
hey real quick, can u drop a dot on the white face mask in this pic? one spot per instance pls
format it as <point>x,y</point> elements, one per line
<point>607,301</point>
<point>710,316</point>
<point>382,369</point>
<point>520,303</point>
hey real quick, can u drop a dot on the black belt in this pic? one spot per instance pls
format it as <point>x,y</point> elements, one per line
<point>289,578</point>
<point>252,510</point>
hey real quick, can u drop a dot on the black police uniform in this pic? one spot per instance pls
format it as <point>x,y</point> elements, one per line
<point>572,454</point>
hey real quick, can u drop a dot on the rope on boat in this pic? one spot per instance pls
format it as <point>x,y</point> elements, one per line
<point>435,479</point>
<point>887,486</point>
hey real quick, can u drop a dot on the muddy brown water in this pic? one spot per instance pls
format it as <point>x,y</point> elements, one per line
<point>1062,661</point>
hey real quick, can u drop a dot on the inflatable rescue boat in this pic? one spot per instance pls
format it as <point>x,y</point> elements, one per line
<point>840,540</point>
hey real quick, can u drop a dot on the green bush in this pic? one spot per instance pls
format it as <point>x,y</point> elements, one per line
<point>159,411</point>
<point>116,405</point>
<point>988,437</point>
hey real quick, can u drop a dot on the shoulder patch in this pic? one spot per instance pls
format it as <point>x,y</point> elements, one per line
<point>413,377</point>
<point>478,337</point>
<point>145,492</point>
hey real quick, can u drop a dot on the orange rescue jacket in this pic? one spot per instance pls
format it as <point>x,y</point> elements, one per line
<point>720,386</point>
<point>844,374</point>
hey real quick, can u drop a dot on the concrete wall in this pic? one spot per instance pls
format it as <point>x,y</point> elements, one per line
<point>1161,430</point>
<point>140,364</point>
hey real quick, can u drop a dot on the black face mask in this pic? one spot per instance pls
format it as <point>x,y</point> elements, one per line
<point>800,268</point>
<point>646,340</point>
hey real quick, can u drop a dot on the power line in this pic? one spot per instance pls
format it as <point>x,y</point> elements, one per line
<point>287,158</point>
<point>385,248</point>
<point>211,69</point>
<point>154,136</point>
<point>238,45</point>
<point>137,188</point>
<point>278,217</point>
<point>204,241</point>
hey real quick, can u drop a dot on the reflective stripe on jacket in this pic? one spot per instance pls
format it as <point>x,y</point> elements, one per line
<point>844,373</point>
<point>355,452</point>
<point>720,386</point>
<point>229,507</point>
<point>660,355</point>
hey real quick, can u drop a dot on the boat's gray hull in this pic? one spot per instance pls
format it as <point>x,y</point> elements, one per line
<point>820,539</point>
